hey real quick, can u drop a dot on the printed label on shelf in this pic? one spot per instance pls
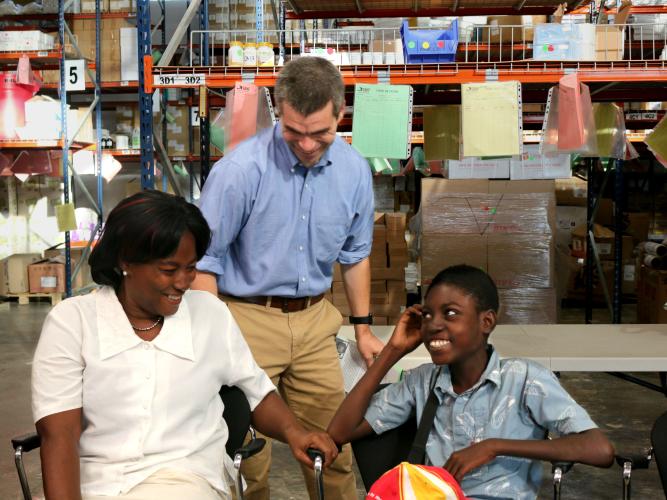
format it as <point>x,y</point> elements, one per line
<point>124,83</point>
<point>42,53</point>
<point>46,143</point>
<point>180,80</point>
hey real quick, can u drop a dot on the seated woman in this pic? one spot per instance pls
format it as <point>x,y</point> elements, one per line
<point>125,381</point>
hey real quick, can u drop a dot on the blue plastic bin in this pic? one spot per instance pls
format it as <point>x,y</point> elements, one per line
<point>430,46</point>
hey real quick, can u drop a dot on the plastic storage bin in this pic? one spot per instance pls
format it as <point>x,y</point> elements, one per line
<point>430,46</point>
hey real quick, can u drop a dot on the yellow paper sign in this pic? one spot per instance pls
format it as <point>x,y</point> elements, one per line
<point>657,140</point>
<point>442,132</point>
<point>491,116</point>
<point>65,217</point>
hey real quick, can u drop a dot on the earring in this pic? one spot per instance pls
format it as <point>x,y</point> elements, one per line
<point>124,272</point>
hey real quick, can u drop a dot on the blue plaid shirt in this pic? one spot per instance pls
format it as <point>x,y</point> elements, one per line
<point>514,399</point>
<point>278,227</point>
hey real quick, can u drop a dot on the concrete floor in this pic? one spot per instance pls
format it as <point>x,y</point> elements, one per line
<point>625,411</point>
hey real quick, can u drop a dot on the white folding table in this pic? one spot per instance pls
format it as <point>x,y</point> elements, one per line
<point>562,348</point>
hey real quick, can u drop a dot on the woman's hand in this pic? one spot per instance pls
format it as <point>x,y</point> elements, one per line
<point>407,334</point>
<point>299,440</point>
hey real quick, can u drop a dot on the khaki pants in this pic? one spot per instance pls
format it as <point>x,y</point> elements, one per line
<point>169,484</point>
<point>298,352</point>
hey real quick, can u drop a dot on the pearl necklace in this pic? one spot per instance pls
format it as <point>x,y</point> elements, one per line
<point>157,322</point>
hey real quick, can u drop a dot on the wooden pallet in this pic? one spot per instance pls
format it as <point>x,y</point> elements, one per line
<point>25,298</point>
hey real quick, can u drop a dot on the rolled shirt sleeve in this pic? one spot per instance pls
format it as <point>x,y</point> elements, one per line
<point>225,202</point>
<point>359,241</point>
<point>394,404</point>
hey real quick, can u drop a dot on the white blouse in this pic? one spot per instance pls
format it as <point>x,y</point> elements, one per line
<point>146,405</point>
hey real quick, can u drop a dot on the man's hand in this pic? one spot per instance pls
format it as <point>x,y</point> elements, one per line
<point>299,440</point>
<point>407,334</point>
<point>369,345</point>
<point>463,461</point>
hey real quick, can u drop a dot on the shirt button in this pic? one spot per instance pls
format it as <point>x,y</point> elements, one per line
<point>301,248</point>
<point>148,375</point>
<point>306,184</point>
<point>303,279</point>
<point>291,170</point>
<point>147,345</point>
<point>303,217</point>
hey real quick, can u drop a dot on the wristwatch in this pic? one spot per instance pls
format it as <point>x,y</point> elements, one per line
<point>361,320</point>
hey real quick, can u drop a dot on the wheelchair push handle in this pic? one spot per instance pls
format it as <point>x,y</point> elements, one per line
<point>316,456</point>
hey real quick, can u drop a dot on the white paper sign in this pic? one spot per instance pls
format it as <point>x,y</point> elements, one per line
<point>75,77</point>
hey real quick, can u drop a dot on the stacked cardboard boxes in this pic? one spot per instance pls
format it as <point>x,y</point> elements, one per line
<point>14,273</point>
<point>503,227</point>
<point>110,44</point>
<point>652,296</point>
<point>389,257</point>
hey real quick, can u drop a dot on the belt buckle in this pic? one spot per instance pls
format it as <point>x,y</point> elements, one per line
<point>285,305</point>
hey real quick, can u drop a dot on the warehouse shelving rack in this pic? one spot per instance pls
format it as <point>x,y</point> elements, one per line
<point>615,80</point>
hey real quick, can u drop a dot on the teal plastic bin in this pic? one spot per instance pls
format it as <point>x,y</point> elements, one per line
<point>430,46</point>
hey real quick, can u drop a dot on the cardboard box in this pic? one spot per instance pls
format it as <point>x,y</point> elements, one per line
<point>604,241</point>
<point>527,306</point>
<point>47,276</point>
<point>638,226</point>
<point>129,69</point>
<point>652,296</point>
<point>511,29</point>
<point>14,273</point>
<point>83,277</point>
<point>533,165</point>
<point>480,207</point>
<point>571,192</point>
<point>609,42</point>
<point>478,168</point>
<point>567,219</point>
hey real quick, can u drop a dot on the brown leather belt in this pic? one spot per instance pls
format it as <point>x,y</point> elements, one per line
<point>285,304</point>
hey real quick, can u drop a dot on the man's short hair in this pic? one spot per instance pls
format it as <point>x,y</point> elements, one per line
<point>307,84</point>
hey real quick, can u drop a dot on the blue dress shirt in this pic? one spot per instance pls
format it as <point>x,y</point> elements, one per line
<point>278,227</point>
<point>514,399</point>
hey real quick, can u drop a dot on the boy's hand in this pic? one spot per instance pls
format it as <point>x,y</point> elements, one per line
<point>407,334</point>
<point>463,461</point>
<point>300,440</point>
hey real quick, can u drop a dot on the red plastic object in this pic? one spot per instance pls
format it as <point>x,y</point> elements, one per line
<point>12,100</point>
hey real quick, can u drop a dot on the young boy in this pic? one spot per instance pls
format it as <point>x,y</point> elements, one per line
<point>492,415</point>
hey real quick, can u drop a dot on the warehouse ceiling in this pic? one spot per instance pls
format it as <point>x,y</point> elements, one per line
<point>417,8</point>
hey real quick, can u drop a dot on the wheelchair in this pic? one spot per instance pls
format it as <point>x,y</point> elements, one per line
<point>656,452</point>
<point>236,413</point>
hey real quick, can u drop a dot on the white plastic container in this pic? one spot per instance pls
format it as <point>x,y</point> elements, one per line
<point>235,54</point>
<point>249,54</point>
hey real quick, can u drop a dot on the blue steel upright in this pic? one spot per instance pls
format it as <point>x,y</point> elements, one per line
<point>145,99</point>
<point>65,147</point>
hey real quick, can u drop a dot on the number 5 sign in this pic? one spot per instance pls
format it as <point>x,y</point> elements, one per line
<point>75,74</point>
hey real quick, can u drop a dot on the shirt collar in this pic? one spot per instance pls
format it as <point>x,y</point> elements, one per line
<point>291,158</point>
<point>491,373</point>
<point>116,334</point>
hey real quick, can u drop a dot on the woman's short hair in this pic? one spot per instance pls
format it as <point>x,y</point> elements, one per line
<point>307,84</point>
<point>470,280</point>
<point>144,227</point>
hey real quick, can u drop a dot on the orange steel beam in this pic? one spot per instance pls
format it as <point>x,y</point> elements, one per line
<point>148,73</point>
<point>635,9</point>
<point>436,12</point>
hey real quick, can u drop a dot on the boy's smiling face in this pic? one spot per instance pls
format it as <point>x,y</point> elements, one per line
<point>452,329</point>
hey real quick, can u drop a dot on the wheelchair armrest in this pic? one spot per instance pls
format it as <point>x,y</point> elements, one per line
<point>27,442</point>
<point>564,467</point>
<point>252,448</point>
<point>636,460</point>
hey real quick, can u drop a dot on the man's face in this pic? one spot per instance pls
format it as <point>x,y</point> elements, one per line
<point>309,136</point>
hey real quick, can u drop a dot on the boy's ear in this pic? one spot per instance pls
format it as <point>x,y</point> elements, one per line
<point>488,321</point>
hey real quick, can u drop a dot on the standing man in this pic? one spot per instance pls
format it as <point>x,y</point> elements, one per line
<point>284,206</point>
